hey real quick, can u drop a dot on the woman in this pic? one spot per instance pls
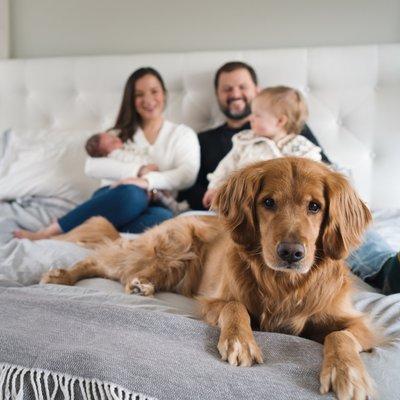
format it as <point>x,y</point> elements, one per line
<point>123,198</point>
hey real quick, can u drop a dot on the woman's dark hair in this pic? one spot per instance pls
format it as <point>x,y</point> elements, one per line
<point>128,119</point>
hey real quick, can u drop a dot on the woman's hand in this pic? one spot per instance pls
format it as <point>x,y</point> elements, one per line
<point>145,169</point>
<point>208,197</point>
<point>140,182</point>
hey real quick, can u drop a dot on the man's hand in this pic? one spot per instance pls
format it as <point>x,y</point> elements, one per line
<point>145,169</point>
<point>209,197</point>
<point>140,182</point>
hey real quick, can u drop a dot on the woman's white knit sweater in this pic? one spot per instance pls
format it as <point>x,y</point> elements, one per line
<point>176,152</point>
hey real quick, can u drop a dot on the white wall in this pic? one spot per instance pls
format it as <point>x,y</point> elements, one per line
<point>85,27</point>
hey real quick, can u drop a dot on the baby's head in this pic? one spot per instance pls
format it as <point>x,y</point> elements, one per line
<point>278,111</point>
<point>102,144</point>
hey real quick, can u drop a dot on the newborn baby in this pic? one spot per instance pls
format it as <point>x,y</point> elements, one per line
<point>106,144</point>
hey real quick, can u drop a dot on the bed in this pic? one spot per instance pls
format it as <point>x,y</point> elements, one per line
<point>92,341</point>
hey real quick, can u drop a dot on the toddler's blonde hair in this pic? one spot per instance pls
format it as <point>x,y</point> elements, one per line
<point>284,100</point>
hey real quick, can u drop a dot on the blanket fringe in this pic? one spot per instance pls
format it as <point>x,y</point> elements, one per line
<point>16,381</point>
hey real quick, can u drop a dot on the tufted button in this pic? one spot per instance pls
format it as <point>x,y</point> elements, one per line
<point>339,122</point>
<point>53,122</point>
<point>372,155</point>
<point>307,89</point>
<point>79,97</point>
<point>48,120</point>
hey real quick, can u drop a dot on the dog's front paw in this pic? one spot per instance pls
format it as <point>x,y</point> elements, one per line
<point>58,276</point>
<point>140,286</point>
<point>347,378</point>
<point>240,350</point>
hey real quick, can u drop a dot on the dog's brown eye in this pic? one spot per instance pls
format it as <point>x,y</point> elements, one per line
<point>269,203</point>
<point>313,207</point>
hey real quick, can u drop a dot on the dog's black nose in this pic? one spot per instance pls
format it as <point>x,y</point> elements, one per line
<point>290,252</point>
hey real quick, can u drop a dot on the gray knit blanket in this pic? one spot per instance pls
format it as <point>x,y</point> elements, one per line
<point>60,342</point>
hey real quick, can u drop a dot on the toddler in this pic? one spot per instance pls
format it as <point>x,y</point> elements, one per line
<point>278,116</point>
<point>106,144</point>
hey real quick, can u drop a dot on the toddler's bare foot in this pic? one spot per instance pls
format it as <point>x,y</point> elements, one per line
<point>24,234</point>
<point>46,233</point>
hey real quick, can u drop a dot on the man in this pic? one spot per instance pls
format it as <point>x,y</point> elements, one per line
<point>235,85</point>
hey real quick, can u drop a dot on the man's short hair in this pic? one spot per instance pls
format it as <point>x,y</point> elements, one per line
<point>233,66</point>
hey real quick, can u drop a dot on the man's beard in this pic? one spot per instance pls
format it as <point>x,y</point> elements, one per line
<point>236,115</point>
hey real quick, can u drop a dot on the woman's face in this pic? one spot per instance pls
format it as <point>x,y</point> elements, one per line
<point>149,98</point>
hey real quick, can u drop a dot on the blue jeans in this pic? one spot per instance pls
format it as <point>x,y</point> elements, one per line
<point>368,259</point>
<point>126,207</point>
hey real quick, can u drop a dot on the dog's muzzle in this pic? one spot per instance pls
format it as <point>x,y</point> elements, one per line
<point>291,254</point>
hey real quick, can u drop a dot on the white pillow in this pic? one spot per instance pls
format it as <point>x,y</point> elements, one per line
<point>46,163</point>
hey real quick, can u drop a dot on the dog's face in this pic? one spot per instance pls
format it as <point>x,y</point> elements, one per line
<point>293,212</point>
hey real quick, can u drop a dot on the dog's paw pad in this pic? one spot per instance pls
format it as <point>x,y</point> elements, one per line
<point>238,351</point>
<point>347,378</point>
<point>136,289</point>
<point>136,286</point>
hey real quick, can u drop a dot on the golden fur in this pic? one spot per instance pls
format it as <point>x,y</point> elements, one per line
<point>232,264</point>
<point>92,233</point>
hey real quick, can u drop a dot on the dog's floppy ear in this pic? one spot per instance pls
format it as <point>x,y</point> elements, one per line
<point>346,218</point>
<point>235,202</point>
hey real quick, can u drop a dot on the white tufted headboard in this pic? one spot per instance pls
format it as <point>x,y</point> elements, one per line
<point>353,94</point>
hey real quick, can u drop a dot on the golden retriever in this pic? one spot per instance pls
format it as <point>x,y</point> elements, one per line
<point>274,256</point>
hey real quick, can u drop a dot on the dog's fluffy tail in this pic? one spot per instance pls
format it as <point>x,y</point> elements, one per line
<point>92,233</point>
